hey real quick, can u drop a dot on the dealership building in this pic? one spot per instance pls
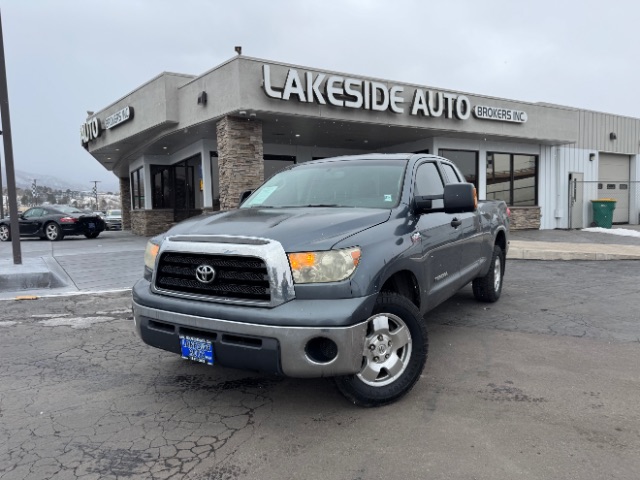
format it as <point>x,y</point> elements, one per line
<point>183,145</point>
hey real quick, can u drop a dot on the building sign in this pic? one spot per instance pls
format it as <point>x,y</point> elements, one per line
<point>344,92</point>
<point>119,117</point>
<point>500,114</point>
<point>90,130</point>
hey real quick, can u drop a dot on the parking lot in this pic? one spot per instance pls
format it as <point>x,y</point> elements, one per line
<point>542,384</point>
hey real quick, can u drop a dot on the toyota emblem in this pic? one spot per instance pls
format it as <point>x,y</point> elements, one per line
<point>205,273</point>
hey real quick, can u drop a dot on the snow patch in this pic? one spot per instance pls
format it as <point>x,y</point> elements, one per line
<point>75,322</point>
<point>49,315</point>
<point>8,324</point>
<point>623,232</point>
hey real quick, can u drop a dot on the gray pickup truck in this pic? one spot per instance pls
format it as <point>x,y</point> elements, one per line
<point>326,270</point>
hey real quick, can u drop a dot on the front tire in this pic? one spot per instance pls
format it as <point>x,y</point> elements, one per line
<point>488,288</point>
<point>5,233</point>
<point>53,232</point>
<point>394,355</point>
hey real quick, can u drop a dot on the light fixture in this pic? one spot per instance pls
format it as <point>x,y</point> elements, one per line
<point>242,112</point>
<point>612,136</point>
<point>164,148</point>
<point>202,98</point>
<point>592,156</point>
<point>238,50</point>
<point>297,134</point>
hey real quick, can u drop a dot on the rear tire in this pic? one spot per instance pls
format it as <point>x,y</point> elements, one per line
<point>488,288</point>
<point>92,235</point>
<point>5,233</point>
<point>394,355</point>
<point>53,232</point>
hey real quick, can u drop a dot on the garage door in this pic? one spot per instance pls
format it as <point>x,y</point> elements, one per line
<point>613,182</point>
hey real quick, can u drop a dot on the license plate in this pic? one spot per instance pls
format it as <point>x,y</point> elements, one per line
<point>197,349</point>
<point>91,225</point>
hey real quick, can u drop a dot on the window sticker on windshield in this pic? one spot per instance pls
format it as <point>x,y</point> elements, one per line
<point>388,198</point>
<point>263,195</point>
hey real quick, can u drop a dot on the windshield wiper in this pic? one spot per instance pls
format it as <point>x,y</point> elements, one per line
<point>319,205</point>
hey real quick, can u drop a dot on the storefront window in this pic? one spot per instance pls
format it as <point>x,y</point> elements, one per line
<point>137,189</point>
<point>162,184</point>
<point>466,161</point>
<point>512,178</point>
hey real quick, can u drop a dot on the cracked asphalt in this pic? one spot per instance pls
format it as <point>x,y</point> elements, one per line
<point>543,384</point>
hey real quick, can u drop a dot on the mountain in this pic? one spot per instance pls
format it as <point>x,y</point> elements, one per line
<point>25,180</point>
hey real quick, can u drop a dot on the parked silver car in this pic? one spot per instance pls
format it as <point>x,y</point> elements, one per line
<point>113,220</point>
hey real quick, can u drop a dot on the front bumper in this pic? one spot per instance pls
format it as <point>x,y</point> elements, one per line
<point>267,348</point>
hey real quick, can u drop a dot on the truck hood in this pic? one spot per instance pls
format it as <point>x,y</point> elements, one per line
<point>297,229</point>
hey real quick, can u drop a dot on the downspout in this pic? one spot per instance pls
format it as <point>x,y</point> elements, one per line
<point>558,210</point>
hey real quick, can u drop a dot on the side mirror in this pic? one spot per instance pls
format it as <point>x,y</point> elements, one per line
<point>460,198</point>
<point>243,196</point>
<point>423,204</point>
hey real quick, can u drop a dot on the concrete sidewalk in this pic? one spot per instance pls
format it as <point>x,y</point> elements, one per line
<point>114,261</point>
<point>574,244</point>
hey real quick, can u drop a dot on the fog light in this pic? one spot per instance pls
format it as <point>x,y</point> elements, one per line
<point>321,349</point>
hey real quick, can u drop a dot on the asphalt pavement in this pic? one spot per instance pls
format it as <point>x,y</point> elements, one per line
<point>542,384</point>
<point>114,261</point>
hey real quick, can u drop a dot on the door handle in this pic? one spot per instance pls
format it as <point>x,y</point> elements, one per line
<point>455,223</point>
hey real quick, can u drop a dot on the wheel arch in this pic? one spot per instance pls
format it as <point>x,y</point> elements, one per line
<point>501,240</point>
<point>404,283</point>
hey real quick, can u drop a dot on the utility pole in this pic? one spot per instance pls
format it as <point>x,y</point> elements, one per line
<point>8,155</point>
<point>95,192</point>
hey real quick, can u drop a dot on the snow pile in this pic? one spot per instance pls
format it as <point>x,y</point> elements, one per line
<point>614,231</point>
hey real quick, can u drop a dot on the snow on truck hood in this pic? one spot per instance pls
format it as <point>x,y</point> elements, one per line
<point>297,229</point>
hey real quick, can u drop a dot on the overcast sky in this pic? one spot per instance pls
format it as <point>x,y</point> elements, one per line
<point>65,57</point>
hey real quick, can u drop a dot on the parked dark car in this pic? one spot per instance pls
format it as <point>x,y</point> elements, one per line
<point>54,222</point>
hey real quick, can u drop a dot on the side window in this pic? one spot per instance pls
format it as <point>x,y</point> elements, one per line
<point>450,173</point>
<point>428,181</point>
<point>33,213</point>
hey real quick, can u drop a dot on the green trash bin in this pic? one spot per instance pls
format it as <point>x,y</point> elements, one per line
<point>603,212</point>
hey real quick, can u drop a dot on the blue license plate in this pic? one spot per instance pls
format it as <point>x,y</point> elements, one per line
<point>91,226</point>
<point>197,349</point>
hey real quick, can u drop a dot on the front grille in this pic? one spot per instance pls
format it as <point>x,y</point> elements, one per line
<point>236,277</point>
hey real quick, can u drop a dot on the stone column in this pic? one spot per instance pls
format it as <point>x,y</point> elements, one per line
<point>125,202</point>
<point>240,158</point>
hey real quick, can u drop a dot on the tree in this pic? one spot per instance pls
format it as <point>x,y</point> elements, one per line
<point>24,200</point>
<point>51,198</point>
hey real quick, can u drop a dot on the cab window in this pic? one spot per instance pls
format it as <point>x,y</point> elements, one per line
<point>428,180</point>
<point>450,173</point>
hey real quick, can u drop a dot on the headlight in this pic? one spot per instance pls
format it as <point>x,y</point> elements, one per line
<point>150,254</point>
<point>317,267</point>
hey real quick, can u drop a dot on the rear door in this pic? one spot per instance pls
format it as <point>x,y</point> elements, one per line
<point>440,264</point>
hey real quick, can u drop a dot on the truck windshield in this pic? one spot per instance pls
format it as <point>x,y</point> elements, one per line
<point>366,183</point>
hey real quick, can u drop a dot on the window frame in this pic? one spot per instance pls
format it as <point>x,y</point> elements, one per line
<point>137,195</point>
<point>512,175</point>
